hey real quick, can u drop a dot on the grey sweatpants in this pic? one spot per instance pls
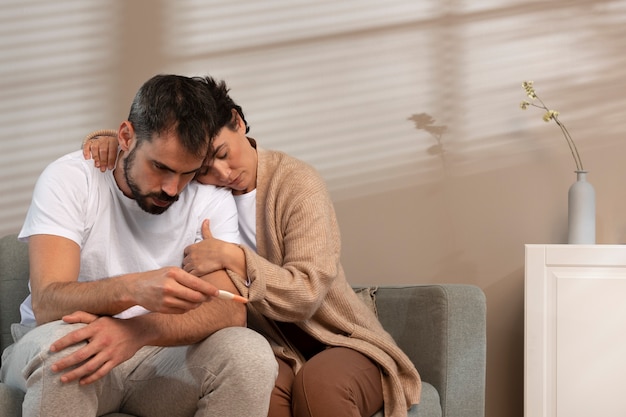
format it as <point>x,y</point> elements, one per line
<point>230,373</point>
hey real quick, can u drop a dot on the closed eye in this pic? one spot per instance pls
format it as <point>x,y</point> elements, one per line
<point>161,167</point>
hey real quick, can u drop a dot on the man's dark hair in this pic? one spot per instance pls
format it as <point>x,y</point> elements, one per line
<point>178,103</point>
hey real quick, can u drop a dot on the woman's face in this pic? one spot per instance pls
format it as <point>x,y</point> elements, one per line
<point>233,161</point>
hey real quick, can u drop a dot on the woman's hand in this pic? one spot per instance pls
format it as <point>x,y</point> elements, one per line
<point>210,255</point>
<point>205,256</point>
<point>102,147</point>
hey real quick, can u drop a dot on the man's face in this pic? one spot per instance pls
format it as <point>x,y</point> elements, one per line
<point>157,171</point>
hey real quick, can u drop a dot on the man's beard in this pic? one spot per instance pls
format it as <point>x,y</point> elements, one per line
<point>142,199</point>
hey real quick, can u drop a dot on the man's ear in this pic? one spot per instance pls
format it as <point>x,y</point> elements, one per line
<point>126,135</point>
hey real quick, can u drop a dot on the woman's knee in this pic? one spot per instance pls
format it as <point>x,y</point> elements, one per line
<point>280,402</point>
<point>337,380</point>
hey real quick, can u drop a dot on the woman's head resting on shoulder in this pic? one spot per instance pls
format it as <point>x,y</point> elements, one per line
<point>232,158</point>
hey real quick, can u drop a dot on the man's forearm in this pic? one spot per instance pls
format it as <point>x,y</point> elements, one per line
<point>156,329</point>
<point>104,297</point>
<point>167,290</point>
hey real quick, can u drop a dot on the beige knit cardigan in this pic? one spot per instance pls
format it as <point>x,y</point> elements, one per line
<point>296,276</point>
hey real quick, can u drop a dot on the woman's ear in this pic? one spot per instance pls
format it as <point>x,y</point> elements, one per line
<point>241,126</point>
<point>126,135</point>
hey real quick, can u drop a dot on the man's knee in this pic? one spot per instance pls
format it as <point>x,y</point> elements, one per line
<point>244,350</point>
<point>32,351</point>
<point>38,340</point>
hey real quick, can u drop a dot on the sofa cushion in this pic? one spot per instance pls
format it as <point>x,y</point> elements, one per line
<point>10,401</point>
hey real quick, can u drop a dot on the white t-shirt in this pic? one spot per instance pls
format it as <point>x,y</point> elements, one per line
<point>246,209</point>
<point>73,199</point>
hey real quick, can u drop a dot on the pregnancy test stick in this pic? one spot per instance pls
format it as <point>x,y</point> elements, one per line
<point>225,295</point>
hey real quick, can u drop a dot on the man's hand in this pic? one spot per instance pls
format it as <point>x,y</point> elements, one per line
<point>109,342</point>
<point>171,290</point>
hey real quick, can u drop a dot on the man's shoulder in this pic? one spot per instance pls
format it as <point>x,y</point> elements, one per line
<point>71,163</point>
<point>206,197</point>
<point>207,192</point>
<point>75,157</point>
<point>64,197</point>
<point>75,176</point>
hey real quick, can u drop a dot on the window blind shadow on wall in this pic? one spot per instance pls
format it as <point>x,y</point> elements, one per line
<point>336,84</point>
<point>53,81</point>
<point>333,83</point>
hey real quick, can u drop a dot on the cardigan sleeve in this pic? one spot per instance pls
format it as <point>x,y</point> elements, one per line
<point>298,245</point>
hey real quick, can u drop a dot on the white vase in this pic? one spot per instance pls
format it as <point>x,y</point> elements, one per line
<point>581,211</point>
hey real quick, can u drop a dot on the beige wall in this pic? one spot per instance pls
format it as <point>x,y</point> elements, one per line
<point>473,230</point>
<point>466,224</point>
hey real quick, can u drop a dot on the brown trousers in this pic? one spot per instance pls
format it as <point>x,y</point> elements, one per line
<point>335,382</point>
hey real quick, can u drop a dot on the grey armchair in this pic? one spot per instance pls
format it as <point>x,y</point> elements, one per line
<point>440,327</point>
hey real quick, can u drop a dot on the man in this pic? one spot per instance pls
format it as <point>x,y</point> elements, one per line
<point>113,323</point>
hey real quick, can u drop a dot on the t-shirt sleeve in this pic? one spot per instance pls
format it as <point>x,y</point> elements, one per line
<point>58,202</point>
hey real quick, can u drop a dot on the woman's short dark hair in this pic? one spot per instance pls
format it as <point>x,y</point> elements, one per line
<point>225,105</point>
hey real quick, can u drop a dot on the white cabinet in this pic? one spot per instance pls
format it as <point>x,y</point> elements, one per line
<point>575,331</point>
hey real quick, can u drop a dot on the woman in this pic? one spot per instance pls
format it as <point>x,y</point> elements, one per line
<point>334,356</point>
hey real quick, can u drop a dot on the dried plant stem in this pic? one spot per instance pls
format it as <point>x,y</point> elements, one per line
<point>568,137</point>
<point>571,144</point>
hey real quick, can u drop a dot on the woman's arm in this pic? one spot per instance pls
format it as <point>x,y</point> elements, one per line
<point>298,259</point>
<point>299,250</point>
